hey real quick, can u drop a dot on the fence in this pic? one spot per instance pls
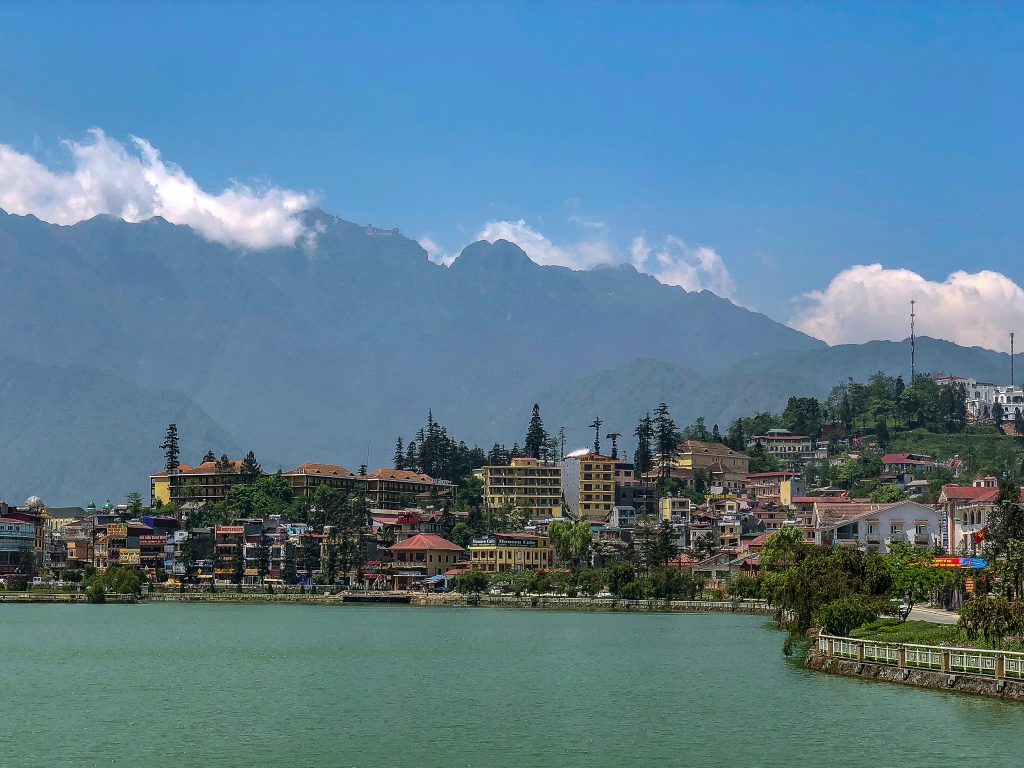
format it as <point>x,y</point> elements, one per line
<point>966,661</point>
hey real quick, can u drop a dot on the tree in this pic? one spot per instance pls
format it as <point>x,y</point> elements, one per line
<point>913,578</point>
<point>840,616</point>
<point>310,555</point>
<point>135,508</point>
<point>571,541</point>
<point>643,459</point>
<point>664,439</point>
<point>263,556</point>
<point>614,437</point>
<point>472,581</point>
<point>781,550</point>
<point>238,562</point>
<point>251,469</point>
<point>209,456</point>
<point>289,572</point>
<point>399,458</point>
<point>536,436</point>
<point>991,617</point>
<point>172,453</point>
<point>887,494</point>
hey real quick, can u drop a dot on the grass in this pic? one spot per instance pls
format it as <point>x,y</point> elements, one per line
<point>984,446</point>
<point>923,633</point>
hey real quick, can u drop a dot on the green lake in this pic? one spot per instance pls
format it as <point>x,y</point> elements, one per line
<point>252,686</point>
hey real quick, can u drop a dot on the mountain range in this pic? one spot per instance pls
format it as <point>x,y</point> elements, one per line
<point>328,350</point>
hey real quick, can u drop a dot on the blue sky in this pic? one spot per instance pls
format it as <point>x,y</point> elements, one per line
<point>795,141</point>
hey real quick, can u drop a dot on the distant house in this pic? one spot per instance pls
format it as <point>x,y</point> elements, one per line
<point>875,527</point>
<point>907,464</point>
<point>423,556</point>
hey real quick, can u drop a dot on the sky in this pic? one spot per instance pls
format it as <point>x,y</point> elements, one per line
<point>821,163</point>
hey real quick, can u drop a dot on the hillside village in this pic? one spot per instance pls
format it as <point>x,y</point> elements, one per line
<point>839,472</point>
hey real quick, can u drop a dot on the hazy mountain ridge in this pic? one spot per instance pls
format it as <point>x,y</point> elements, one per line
<point>326,351</point>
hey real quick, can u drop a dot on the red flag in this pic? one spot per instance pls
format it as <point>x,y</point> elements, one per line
<point>979,536</point>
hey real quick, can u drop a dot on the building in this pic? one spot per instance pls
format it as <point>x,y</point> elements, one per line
<point>529,485</point>
<point>783,444</point>
<point>400,488</point>
<point>722,467</point>
<point>206,483</point>
<point>306,478</point>
<point>17,546</point>
<point>776,487</point>
<point>967,510</point>
<point>770,517</point>
<point>907,464</point>
<point>588,485</point>
<point>674,508</point>
<point>985,399</point>
<point>641,496</point>
<point>875,527</point>
<point>421,557</point>
<point>510,551</point>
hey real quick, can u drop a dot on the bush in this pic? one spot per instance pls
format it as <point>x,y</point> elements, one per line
<point>638,589</point>
<point>673,583</point>
<point>590,581</point>
<point>73,576</point>
<point>840,616</point>
<point>472,581</point>
<point>745,587</point>
<point>97,594</point>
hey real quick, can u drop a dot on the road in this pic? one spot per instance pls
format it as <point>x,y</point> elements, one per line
<point>934,615</point>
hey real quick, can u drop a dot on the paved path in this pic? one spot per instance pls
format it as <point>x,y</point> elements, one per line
<point>934,615</point>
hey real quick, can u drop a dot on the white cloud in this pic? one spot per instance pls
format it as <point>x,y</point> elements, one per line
<point>135,183</point>
<point>676,263</point>
<point>435,252</point>
<point>672,263</point>
<point>583,254</point>
<point>868,301</point>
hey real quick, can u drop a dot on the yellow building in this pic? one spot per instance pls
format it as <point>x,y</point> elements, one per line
<point>203,483</point>
<point>510,551</point>
<point>674,506</point>
<point>305,479</point>
<point>723,467</point>
<point>776,487</point>
<point>527,485</point>
<point>588,485</point>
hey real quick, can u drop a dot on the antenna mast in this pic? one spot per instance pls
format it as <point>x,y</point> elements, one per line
<point>913,344</point>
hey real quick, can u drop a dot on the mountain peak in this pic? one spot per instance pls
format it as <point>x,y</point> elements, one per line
<point>500,255</point>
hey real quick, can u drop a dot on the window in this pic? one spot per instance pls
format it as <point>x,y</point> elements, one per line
<point>896,529</point>
<point>921,529</point>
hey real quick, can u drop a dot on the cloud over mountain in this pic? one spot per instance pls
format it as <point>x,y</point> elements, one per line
<point>134,183</point>
<point>868,301</point>
<point>673,262</point>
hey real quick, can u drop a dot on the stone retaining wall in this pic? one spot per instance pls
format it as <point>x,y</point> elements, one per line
<point>1012,690</point>
<point>593,604</point>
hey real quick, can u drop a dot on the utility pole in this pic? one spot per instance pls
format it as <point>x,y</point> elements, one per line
<point>913,345</point>
<point>1011,358</point>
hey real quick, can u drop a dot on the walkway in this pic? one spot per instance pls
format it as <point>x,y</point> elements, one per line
<point>934,615</point>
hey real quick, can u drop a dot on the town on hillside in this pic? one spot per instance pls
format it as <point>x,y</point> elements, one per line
<point>874,465</point>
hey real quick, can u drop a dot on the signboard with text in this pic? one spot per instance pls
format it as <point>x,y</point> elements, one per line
<point>230,530</point>
<point>971,563</point>
<point>129,557</point>
<point>117,530</point>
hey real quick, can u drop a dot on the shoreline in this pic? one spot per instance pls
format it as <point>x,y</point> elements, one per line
<point>526,602</point>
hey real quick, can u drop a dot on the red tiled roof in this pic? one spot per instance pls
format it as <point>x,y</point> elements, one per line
<point>427,541</point>
<point>904,458</point>
<point>401,474</point>
<point>335,470</point>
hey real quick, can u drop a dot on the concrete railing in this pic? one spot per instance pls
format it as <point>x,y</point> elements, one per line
<point>965,661</point>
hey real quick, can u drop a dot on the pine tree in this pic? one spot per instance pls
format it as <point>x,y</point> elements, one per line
<point>716,435</point>
<point>664,438</point>
<point>251,469</point>
<point>399,459</point>
<point>535,434</point>
<point>172,453</point>
<point>643,459</point>
<point>210,456</point>
<point>412,460</point>
<point>614,437</point>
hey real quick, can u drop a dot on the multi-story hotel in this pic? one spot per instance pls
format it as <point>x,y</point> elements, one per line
<point>527,484</point>
<point>776,487</point>
<point>724,468</point>
<point>510,551</point>
<point>785,445</point>
<point>308,477</point>
<point>399,488</point>
<point>202,484</point>
<point>588,485</point>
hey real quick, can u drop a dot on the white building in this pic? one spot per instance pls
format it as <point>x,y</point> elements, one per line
<point>875,527</point>
<point>982,397</point>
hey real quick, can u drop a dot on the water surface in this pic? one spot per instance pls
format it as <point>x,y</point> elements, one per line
<point>248,685</point>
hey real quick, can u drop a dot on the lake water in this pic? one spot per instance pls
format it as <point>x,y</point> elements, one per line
<point>251,686</point>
